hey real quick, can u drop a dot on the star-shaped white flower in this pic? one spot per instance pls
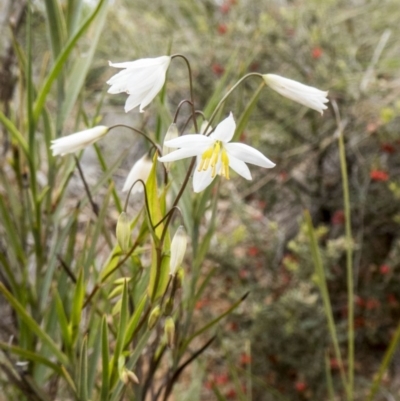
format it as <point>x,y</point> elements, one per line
<point>141,80</point>
<point>215,155</point>
<point>300,93</point>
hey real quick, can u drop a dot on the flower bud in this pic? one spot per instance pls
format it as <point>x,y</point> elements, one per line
<point>169,329</point>
<point>123,232</point>
<point>132,377</point>
<point>300,93</point>
<point>172,133</point>
<point>154,315</point>
<point>178,249</point>
<point>140,171</point>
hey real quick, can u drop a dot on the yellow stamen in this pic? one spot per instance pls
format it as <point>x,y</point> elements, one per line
<point>205,159</point>
<point>210,158</point>
<point>214,158</point>
<point>225,164</point>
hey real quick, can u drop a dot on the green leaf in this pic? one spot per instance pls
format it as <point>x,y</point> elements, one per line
<point>80,69</point>
<point>213,322</point>
<point>15,134</point>
<point>55,25</point>
<point>77,303</point>
<point>31,356</point>
<point>32,325</point>
<point>105,381</point>
<point>59,63</point>
<point>134,320</point>
<point>83,372</point>
<point>63,322</point>
<point>244,118</point>
<point>123,319</point>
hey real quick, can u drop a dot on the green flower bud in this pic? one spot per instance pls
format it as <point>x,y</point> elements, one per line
<point>123,232</point>
<point>169,330</point>
<point>154,315</point>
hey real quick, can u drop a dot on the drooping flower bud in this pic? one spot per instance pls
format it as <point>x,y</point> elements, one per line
<point>154,315</point>
<point>80,140</point>
<point>169,330</point>
<point>298,92</point>
<point>140,171</point>
<point>123,232</point>
<point>172,133</point>
<point>178,249</point>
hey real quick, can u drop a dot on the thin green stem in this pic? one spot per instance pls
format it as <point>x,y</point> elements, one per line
<point>221,102</point>
<point>325,297</point>
<point>349,253</point>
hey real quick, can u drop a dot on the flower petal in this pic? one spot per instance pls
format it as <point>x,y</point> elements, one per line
<point>248,154</point>
<point>225,129</point>
<point>153,91</point>
<point>182,154</point>
<point>202,179</point>
<point>189,141</point>
<point>239,167</point>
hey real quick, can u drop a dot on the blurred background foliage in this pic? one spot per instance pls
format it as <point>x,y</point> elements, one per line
<point>275,346</point>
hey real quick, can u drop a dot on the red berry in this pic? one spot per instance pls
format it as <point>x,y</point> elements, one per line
<point>378,175</point>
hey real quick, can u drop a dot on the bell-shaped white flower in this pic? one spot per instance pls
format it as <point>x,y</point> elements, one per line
<point>141,80</point>
<point>74,142</point>
<point>300,93</point>
<point>215,155</point>
<point>178,249</point>
<point>140,171</point>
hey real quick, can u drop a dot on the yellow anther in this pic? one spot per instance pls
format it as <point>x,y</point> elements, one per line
<point>215,155</point>
<point>205,159</point>
<point>225,164</point>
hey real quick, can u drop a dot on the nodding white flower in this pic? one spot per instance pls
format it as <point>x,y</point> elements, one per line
<point>300,93</point>
<point>215,154</point>
<point>74,142</point>
<point>178,249</point>
<point>141,80</point>
<point>140,171</point>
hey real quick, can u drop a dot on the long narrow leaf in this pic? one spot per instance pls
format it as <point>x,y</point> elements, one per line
<point>59,63</point>
<point>33,326</point>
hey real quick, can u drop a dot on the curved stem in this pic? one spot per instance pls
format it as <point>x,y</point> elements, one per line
<point>138,132</point>
<point>178,197</point>
<point>171,211</point>
<point>190,84</point>
<point>178,109</point>
<point>146,200</point>
<point>221,102</point>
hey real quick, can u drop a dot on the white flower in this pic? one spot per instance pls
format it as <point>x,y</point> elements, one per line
<point>303,94</point>
<point>178,249</point>
<point>74,142</point>
<point>141,80</point>
<point>140,171</point>
<point>215,154</point>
